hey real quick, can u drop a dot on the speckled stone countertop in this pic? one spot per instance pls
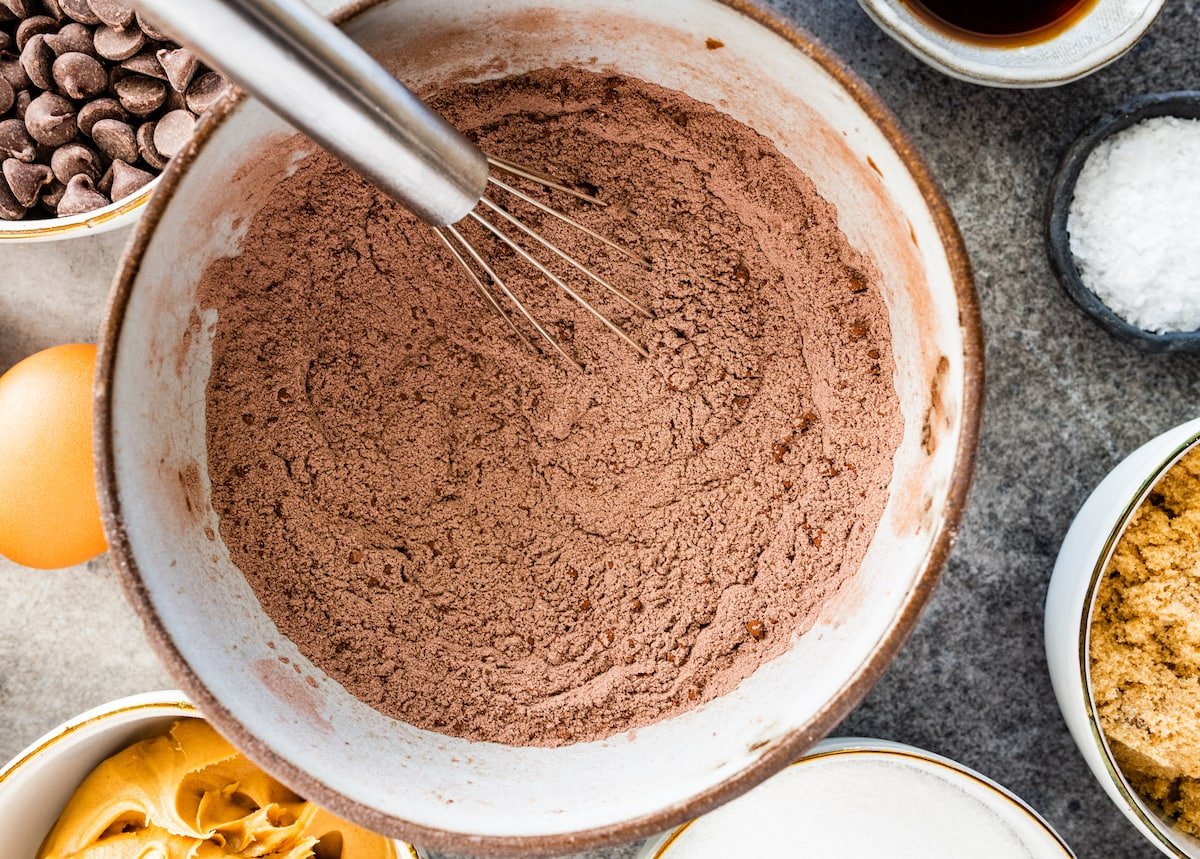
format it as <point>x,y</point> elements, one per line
<point>1065,403</point>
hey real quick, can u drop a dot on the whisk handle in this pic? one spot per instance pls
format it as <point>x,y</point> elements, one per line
<point>310,73</point>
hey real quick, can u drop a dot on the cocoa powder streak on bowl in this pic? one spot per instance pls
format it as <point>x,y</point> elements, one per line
<point>478,540</point>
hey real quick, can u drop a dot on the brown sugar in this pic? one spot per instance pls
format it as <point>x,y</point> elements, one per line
<point>485,542</point>
<point>1145,647</point>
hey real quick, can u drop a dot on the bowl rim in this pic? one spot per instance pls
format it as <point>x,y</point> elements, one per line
<point>166,701</point>
<point>78,226</point>
<point>163,700</point>
<point>1151,823</point>
<point>1058,208</point>
<point>849,746</point>
<point>914,39</point>
<point>774,757</point>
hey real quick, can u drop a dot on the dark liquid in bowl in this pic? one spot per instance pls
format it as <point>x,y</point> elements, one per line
<point>1014,22</point>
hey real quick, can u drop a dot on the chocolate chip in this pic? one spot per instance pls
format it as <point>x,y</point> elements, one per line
<point>115,139</point>
<point>101,108</point>
<point>80,196</point>
<point>146,147</point>
<point>145,63</point>
<point>175,101</point>
<point>173,131</point>
<point>73,159</point>
<point>148,27</point>
<point>8,96</point>
<point>18,8</point>
<point>757,629</point>
<point>72,37</point>
<point>127,180</point>
<point>114,44</point>
<point>180,66</point>
<point>37,25</point>
<point>51,119</point>
<point>21,103</point>
<point>140,95</point>
<point>104,186</point>
<point>79,10</point>
<point>79,75</point>
<point>5,41</point>
<point>10,209</point>
<point>112,13</point>
<point>37,59</point>
<point>53,193</point>
<point>54,10</point>
<point>12,71</point>
<point>205,91</point>
<point>26,180</point>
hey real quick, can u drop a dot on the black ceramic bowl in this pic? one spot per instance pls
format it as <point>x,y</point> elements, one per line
<point>1185,105</point>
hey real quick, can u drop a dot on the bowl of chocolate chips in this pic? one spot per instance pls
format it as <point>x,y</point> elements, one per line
<point>94,101</point>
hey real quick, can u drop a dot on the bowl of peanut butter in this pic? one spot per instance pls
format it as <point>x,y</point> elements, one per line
<point>147,776</point>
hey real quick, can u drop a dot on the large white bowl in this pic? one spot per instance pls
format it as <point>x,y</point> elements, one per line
<point>1082,560</point>
<point>1031,829</point>
<point>440,791</point>
<point>36,784</point>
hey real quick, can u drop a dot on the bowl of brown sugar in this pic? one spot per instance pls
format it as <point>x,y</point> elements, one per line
<point>1122,637</point>
<point>428,576</point>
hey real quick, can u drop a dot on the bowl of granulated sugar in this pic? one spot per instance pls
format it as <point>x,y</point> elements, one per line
<point>1122,218</point>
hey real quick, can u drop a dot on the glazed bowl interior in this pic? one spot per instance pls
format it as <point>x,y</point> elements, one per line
<point>285,711</point>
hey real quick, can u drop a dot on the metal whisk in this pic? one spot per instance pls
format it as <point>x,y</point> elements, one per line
<point>313,75</point>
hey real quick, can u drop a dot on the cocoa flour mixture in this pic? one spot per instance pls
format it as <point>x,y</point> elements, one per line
<point>485,542</point>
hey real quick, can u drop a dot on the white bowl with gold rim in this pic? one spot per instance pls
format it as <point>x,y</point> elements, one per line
<point>36,784</point>
<point>122,213</point>
<point>825,794</point>
<point>1082,560</point>
<point>1095,36</point>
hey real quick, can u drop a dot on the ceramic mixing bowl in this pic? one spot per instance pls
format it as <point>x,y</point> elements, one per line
<point>473,797</point>
<point>1081,563</point>
<point>1036,836</point>
<point>36,784</point>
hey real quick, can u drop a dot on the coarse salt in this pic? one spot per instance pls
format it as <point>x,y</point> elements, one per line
<point>1134,224</point>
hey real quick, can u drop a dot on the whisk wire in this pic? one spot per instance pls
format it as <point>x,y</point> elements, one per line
<point>559,282</point>
<point>508,293</point>
<point>570,260</point>
<point>541,178</point>
<point>484,277</point>
<point>483,291</point>
<point>566,219</point>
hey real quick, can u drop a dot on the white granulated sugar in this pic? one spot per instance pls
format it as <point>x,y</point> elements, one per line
<point>864,806</point>
<point>1135,224</point>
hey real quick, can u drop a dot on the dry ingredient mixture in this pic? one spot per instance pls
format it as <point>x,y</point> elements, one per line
<point>1145,647</point>
<point>1133,224</point>
<point>484,542</point>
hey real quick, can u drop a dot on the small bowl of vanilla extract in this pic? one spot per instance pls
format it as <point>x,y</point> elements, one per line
<point>1015,43</point>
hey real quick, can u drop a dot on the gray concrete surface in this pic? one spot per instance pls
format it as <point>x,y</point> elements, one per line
<point>1065,404</point>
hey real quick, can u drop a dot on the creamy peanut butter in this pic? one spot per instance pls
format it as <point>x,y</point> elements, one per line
<point>188,794</point>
